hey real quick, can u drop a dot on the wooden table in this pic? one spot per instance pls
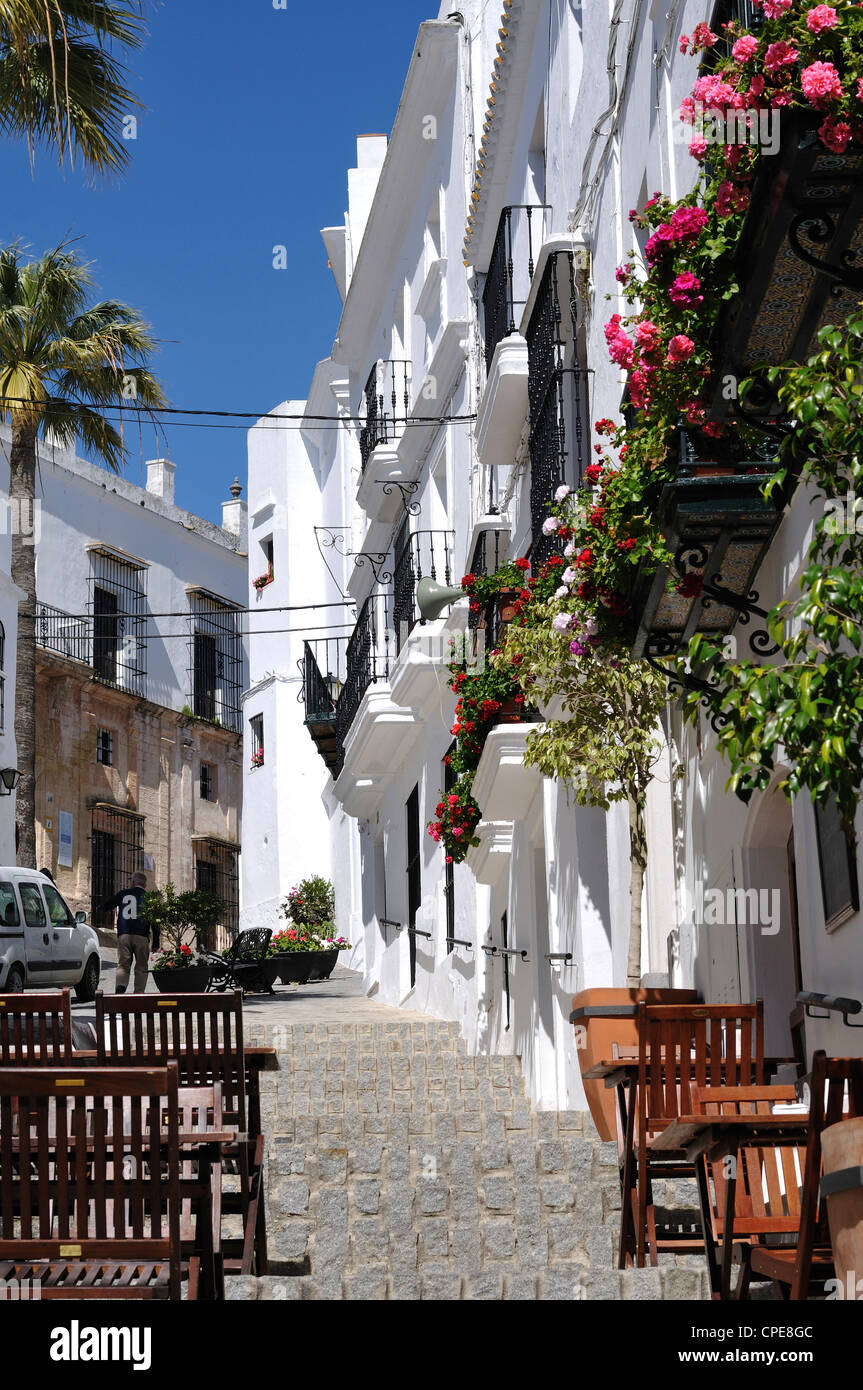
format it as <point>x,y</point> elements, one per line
<point>713,1137</point>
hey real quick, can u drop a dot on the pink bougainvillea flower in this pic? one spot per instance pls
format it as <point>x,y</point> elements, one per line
<point>684,42</point>
<point>775,9</point>
<point>860,88</point>
<point>781,54</point>
<point>687,223</point>
<point>820,82</point>
<point>704,37</point>
<point>744,49</point>
<point>698,147</point>
<point>680,349</point>
<point>622,351</point>
<point>835,134</point>
<point>756,86</point>
<point>612,328</point>
<point>647,335</point>
<point>821,17</point>
<point>686,290</point>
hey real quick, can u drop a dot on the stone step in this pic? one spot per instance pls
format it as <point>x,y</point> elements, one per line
<point>563,1282</point>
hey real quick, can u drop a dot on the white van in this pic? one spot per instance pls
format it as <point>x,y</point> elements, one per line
<point>42,942</point>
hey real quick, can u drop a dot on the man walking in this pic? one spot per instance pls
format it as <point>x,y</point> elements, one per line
<point>133,935</point>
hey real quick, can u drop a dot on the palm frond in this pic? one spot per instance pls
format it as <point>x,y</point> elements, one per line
<point>70,421</point>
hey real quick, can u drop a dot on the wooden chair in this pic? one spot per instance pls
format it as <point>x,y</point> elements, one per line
<point>89,1190</point>
<point>679,1046</point>
<point>244,967</point>
<point>203,1034</point>
<point>36,1029</point>
<point>763,1182</point>
<point>836,1094</point>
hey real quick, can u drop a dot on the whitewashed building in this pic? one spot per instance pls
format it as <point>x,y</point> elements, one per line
<point>141,666</point>
<point>10,597</point>
<point>475,263</point>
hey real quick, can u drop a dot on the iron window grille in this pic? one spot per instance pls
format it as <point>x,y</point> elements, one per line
<point>117,605</point>
<point>510,271</point>
<point>256,724</point>
<point>387,391</point>
<point>116,853</point>
<point>556,394</point>
<point>215,673</point>
<point>216,871</point>
<point>105,748</point>
<point>207,782</point>
<point>418,555</point>
<point>414,874</point>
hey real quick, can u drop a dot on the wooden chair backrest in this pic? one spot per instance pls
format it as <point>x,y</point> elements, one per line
<point>686,1045</point>
<point>36,1029</point>
<point>778,1169</point>
<point>202,1033</point>
<point>836,1094</point>
<point>92,1174</point>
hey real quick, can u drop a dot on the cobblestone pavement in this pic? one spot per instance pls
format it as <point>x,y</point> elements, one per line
<point>399,1167</point>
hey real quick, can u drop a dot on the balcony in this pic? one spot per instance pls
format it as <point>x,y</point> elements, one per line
<point>719,526</point>
<point>510,271</point>
<point>799,263</point>
<point>490,551</point>
<point>503,787</point>
<point>559,437</point>
<point>109,643</point>
<point>424,555</point>
<point>387,405</point>
<point>323,671</point>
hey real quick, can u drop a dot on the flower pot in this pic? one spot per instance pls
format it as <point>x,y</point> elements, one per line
<point>323,964</point>
<point>842,1151</point>
<point>187,979</point>
<point>505,605</point>
<point>604,1018</point>
<point>293,967</point>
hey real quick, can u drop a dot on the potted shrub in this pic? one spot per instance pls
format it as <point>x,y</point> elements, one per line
<point>307,948</point>
<point>326,956</point>
<point>183,921</point>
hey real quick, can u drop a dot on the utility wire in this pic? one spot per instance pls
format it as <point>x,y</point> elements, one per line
<point>149,411</point>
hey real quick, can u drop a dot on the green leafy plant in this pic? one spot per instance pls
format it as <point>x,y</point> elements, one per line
<point>804,707</point>
<point>311,904</point>
<point>183,919</point>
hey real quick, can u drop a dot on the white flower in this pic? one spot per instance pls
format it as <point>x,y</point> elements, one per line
<point>562,591</point>
<point>550,525</point>
<point>569,551</point>
<point>591,628</point>
<point>569,576</point>
<point>562,493</point>
<point>561,622</point>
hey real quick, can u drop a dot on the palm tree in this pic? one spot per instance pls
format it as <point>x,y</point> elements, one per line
<point>60,85</point>
<point>62,364</point>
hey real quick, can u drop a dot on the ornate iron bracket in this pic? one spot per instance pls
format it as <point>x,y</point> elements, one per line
<point>336,538</point>
<point>376,560</point>
<point>407,490</point>
<point>820,227</point>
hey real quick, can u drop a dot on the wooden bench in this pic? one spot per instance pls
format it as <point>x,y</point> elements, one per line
<point>90,1184</point>
<point>203,1034</point>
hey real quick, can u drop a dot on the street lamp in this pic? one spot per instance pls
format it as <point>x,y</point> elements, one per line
<point>9,779</point>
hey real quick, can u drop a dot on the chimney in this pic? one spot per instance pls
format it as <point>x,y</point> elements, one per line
<point>235,516</point>
<point>160,479</point>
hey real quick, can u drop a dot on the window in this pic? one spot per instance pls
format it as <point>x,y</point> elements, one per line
<point>208,782</point>
<point>105,748</point>
<point>216,872</point>
<point>58,912</point>
<point>9,916</point>
<point>34,912</point>
<point>838,866</point>
<point>118,608</point>
<point>116,853</point>
<point>449,780</point>
<point>414,873</point>
<point>267,547</point>
<point>216,659</point>
<point>257,728</point>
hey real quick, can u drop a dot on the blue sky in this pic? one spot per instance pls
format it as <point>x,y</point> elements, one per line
<point>251,128</point>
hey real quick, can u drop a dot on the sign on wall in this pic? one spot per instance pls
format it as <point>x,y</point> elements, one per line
<point>64,854</point>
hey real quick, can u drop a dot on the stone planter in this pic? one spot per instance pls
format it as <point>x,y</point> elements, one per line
<point>323,965</point>
<point>293,967</point>
<point>604,1019</point>
<point>842,1149</point>
<point>189,979</point>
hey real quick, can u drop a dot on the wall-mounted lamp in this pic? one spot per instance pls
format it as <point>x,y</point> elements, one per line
<point>9,779</point>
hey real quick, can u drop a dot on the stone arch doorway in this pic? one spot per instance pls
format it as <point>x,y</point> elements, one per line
<point>773,939</point>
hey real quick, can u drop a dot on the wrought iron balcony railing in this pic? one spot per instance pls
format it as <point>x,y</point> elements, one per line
<point>368,660</point>
<point>68,636</point>
<point>557,395</point>
<point>387,405</point>
<point>427,555</point>
<point>510,272</point>
<point>323,668</point>
<point>487,559</point>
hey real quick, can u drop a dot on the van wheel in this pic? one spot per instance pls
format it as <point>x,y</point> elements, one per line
<point>14,980</point>
<point>85,990</point>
